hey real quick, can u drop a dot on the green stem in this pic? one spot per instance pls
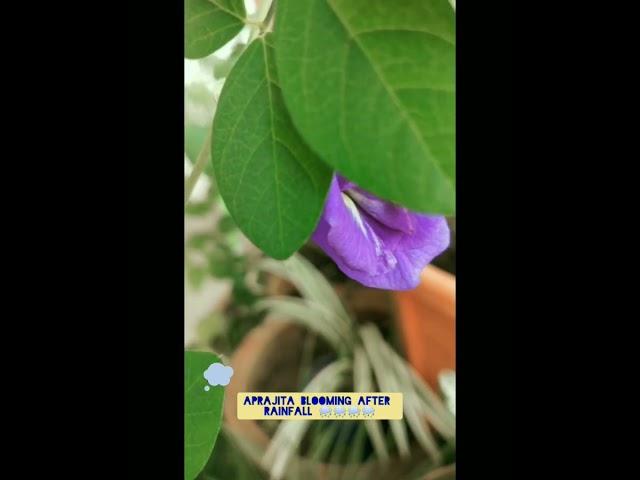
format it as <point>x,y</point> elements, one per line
<point>265,8</point>
<point>264,17</point>
<point>268,18</point>
<point>261,24</point>
<point>198,168</point>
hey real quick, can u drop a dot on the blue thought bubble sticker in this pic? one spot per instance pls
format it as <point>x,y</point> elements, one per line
<point>217,374</point>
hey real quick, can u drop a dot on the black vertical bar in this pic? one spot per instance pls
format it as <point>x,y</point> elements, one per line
<point>156,233</point>
<point>483,287</point>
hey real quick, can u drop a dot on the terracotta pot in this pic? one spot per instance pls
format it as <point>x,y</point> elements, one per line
<point>427,318</point>
<point>252,361</point>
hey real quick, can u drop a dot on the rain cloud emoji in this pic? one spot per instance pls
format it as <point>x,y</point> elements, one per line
<point>325,411</point>
<point>367,411</point>
<point>354,411</point>
<point>218,374</point>
<point>340,411</point>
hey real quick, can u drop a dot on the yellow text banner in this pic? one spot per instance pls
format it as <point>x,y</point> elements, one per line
<point>319,406</point>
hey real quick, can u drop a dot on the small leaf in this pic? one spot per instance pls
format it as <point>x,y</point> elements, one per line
<point>202,412</point>
<point>370,84</point>
<point>209,24</point>
<point>269,179</point>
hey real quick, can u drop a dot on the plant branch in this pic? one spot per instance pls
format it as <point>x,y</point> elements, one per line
<point>263,19</point>
<point>268,18</point>
<point>265,10</point>
<point>198,168</point>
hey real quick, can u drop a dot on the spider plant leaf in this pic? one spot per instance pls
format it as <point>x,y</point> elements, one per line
<point>310,282</point>
<point>300,311</point>
<point>289,434</point>
<point>399,379</point>
<point>420,429</point>
<point>324,441</point>
<point>432,407</point>
<point>363,382</point>
<point>385,377</point>
<point>356,454</point>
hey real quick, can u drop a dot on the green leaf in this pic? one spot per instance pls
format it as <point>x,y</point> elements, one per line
<point>202,412</point>
<point>269,179</point>
<point>370,84</point>
<point>209,24</point>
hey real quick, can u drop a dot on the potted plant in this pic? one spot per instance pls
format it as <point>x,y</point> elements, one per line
<point>312,343</point>
<point>330,121</point>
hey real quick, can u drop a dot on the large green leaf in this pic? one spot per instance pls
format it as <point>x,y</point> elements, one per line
<point>202,412</point>
<point>271,182</point>
<point>370,84</point>
<point>209,24</point>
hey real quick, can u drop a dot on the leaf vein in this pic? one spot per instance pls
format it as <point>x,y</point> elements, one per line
<point>392,95</point>
<point>400,29</point>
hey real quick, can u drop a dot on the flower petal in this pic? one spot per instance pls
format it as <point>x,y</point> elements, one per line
<point>379,244</point>
<point>393,216</point>
<point>345,235</point>
<point>414,252</point>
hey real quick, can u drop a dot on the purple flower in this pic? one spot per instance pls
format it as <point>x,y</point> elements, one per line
<point>377,243</point>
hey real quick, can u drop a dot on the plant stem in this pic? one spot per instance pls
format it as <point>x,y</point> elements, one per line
<point>264,10</point>
<point>198,168</point>
<point>264,17</point>
<point>268,18</point>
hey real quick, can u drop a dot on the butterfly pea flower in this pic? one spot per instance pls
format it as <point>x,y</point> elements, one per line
<point>377,243</point>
